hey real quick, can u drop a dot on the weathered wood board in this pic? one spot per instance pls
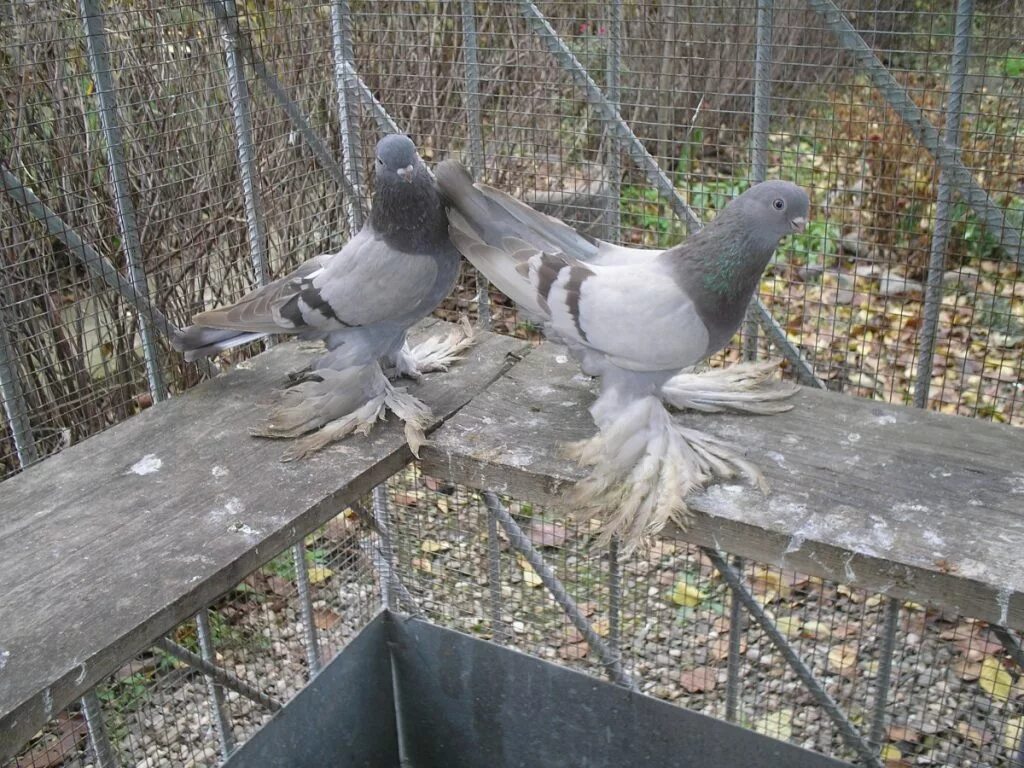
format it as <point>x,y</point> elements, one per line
<point>115,541</point>
<point>888,498</point>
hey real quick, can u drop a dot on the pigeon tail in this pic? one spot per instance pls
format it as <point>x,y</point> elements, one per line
<point>741,388</point>
<point>198,341</point>
<point>643,466</point>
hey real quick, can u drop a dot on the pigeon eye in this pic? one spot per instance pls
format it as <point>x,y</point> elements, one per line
<point>778,204</point>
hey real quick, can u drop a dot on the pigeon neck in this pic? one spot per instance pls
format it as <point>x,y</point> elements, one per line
<point>720,273</point>
<point>409,215</point>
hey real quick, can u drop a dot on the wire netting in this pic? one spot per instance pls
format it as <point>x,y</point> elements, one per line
<point>893,239</point>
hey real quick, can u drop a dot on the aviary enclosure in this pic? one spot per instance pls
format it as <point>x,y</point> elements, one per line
<point>159,159</point>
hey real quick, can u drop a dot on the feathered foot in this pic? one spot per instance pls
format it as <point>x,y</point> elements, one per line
<point>742,388</point>
<point>435,354</point>
<point>644,465</point>
<point>340,403</point>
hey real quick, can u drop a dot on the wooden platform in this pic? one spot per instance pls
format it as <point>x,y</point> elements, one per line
<point>892,499</point>
<point>115,541</point>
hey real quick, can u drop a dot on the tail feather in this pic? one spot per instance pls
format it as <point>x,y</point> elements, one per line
<point>198,341</point>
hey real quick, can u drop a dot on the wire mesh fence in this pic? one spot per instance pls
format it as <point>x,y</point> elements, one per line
<point>161,159</point>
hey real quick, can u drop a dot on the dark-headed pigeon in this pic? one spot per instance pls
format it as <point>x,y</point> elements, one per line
<point>637,318</point>
<point>360,302</point>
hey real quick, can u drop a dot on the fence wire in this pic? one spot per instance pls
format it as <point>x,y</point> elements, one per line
<point>240,147</point>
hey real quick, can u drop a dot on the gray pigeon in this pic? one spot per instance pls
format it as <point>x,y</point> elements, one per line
<point>360,302</point>
<point>637,318</point>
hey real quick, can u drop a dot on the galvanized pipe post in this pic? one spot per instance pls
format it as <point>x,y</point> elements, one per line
<point>99,64</point>
<point>614,597</point>
<point>613,156</point>
<point>382,516</point>
<point>238,90</point>
<point>215,691</point>
<point>944,203</point>
<point>886,650</point>
<point>759,133</point>
<point>348,119</point>
<point>470,46</point>
<point>499,633</point>
<point>13,396</point>
<point>309,633</point>
<point>732,686</point>
<point>104,752</point>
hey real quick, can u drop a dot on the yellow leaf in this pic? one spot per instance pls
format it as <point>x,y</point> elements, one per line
<point>778,725</point>
<point>842,658</point>
<point>422,564</point>
<point>890,753</point>
<point>1014,733</point>
<point>319,574</point>
<point>442,503</point>
<point>819,630</point>
<point>995,680</point>
<point>601,627</point>
<point>789,626</point>
<point>686,595</point>
<point>430,546</point>
<point>530,576</point>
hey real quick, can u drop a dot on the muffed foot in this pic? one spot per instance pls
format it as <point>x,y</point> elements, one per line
<point>435,354</point>
<point>334,404</point>
<point>644,465</point>
<point>741,388</point>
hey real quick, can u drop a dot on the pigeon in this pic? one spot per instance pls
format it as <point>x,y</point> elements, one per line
<point>359,302</point>
<point>639,319</point>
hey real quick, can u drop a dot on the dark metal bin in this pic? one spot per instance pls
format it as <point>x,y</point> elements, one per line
<point>408,693</point>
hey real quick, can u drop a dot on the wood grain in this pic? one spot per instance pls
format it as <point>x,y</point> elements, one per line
<point>117,540</point>
<point>887,498</point>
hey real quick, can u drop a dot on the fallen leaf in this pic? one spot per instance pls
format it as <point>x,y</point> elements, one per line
<point>430,546</point>
<point>968,671</point>
<point>544,534</point>
<point>818,630</point>
<point>326,619</point>
<point>790,626</point>
<point>1013,736</point>
<point>974,735</point>
<point>686,595</point>
<point>842,659</point>
<point>601,627</point>
<point>699,679</point>
<point>903,733</point>
<point>778,724</point>
<point>56,753</point>
<point>719,649</point>
<point>530,576</point>
<point>891,753</point>
<point>318,574</point>
<point>995,680</point>
<point>279,585</point>
<point>422,564</point>
<point>574,652</point>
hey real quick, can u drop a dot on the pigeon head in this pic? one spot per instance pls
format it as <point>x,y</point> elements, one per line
<point>396,158</point>
<point>771,210</point>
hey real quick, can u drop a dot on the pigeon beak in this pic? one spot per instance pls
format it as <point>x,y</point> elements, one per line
<point>799,223</point>
<point>405,174</point>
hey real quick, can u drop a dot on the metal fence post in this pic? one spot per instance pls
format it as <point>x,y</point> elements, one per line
<point>476,137</point>
<point>613,156</point>
<point>943,205</point>
<point>759,133</point>
<point>238,90</point>
<point>732,685</point>
<point>106,757</point>
<point>13,396</point>
<point>876,736</point>
<point>99,64</point>
<point>215,691</point>
<point>309,633</point>
<point>348,119</point>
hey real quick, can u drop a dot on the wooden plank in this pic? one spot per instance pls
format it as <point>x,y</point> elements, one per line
<point>887,498</point>
<point>117,540</point>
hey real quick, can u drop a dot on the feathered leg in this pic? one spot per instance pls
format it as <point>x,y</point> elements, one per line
<point>643,466</point>
<point>340,403</point>
<point>742,388</point>
<point>434,354</point>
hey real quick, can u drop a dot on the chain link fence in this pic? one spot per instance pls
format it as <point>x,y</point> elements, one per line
<point>161,159</point>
